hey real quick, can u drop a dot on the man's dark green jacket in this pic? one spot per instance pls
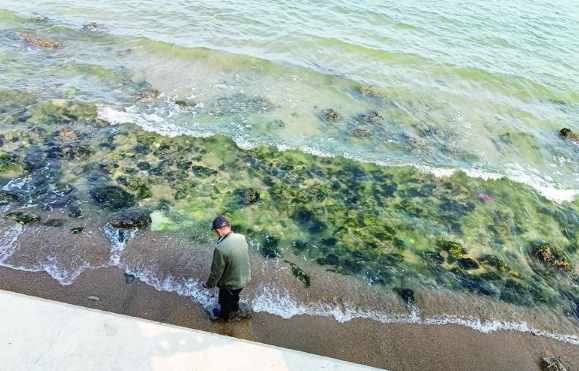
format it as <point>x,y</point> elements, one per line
<point>230,267</point>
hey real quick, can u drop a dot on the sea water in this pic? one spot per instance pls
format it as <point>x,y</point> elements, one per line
<point>372,136</point>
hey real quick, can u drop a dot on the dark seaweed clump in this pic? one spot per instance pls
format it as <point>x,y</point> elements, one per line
<point>299,274</point>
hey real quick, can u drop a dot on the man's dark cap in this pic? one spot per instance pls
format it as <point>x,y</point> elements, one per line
<point>220,222</point>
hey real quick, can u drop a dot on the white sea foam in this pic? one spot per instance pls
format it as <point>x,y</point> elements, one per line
<point>518,174</point>
<point>50,265</point>
<point>515,174</point>
<point>316,151</point>
<point>493,326</point>
<point>182,286</point>
<point>8,241</point>
<point>118,238</point>
<point>243,143</point>
<point>278,301</point>
<point>63,276</point>
<point>148,122</point>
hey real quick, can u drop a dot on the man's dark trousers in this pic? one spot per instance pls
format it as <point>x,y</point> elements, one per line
<point>228,301</point>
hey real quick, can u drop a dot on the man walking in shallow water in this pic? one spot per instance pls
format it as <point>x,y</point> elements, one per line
<point>230,268</point>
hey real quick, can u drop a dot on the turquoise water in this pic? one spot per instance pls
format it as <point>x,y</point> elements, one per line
<point>445,115</point>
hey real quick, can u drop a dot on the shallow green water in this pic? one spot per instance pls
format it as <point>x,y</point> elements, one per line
<point>391,226</point>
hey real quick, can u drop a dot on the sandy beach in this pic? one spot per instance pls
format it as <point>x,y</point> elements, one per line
<point>388,346</point>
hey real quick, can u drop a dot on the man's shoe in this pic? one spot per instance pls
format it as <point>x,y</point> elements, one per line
<point>217,315</point>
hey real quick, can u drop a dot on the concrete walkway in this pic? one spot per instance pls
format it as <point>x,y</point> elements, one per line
<point>43,335</point>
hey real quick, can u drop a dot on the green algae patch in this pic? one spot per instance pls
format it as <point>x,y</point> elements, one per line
<point>160,222</point>
<point>361,219</point>
<point>10,164</point>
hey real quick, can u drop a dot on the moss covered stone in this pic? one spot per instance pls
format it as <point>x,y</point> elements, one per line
<point>55,222</point>
<point>552,256</point>
<point>330,115</point>
<point>10,163</point>
<point>7,197</point>
<point>270,247</point>
<point>22,217</point>
<point>112,198</point>
<point>454,249</point>
<point>130,219</point>
<point>467,263</point>
<point>552,364</point>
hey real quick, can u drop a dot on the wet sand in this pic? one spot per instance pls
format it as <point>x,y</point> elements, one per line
<point>389,346</point>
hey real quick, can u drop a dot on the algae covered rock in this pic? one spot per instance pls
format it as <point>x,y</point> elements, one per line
<point>407,295</point>
<point>552,256</point>
<point>22,217</point>
<point>7,197</point>
<point>454,249</point>
<point>130,219</point>
<point>38,41</point>
<point>467,263</point>
<point>249,196</point>
<point>112,198</point>
<point>55,222</point>
<point>270,247</point>
<point>370,117</point>
<point>10,163</point>
<point>552,364</point>
<point>568,133</point>
<point>330,115</point>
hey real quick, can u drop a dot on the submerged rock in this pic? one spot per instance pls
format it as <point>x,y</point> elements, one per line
<point>183,103</point>
<point>370,91</point>
<point>37,41</point>
<point>112,198</point>
<point>74,211</point>
<point>90,26</point>
<point>270,247</point>
<point>55,222</point>
<point>330,115</point>
<point>129,277</point>
<point>454,249</point>
<point>407,295</point>
<point>249,196</point>
<point>300,245</point>
<point>467,263</point>
<point>22,217</point>
<point>149,95</point>
<point>10,163</point>
<point>432,256</point>
<point>552,256</point>
<point>370,117</point>
<point>361,132</point>
<point>7,197</point>
<point>203,172</point>
<point>568,133</point>
<point>130,219</point>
